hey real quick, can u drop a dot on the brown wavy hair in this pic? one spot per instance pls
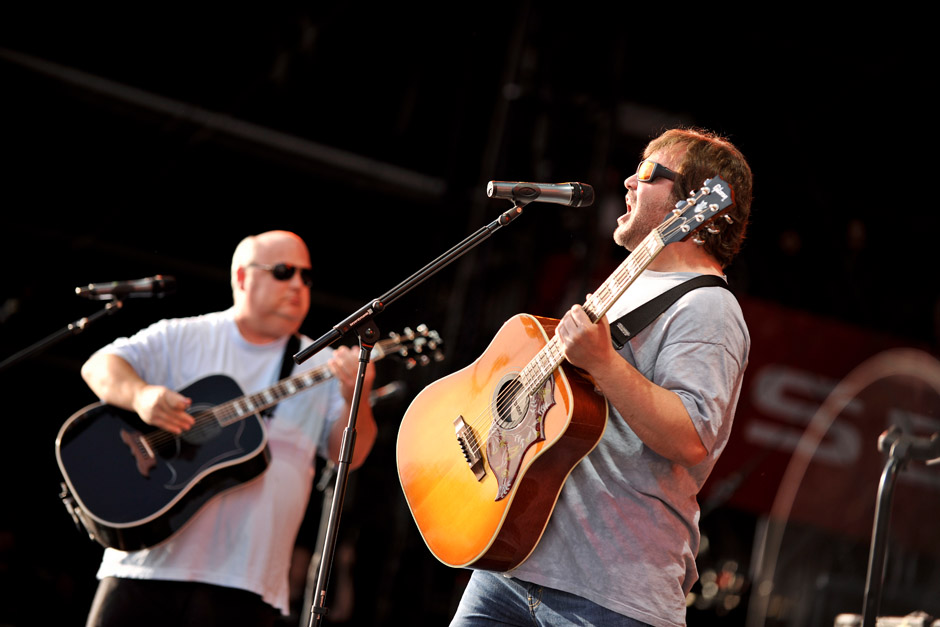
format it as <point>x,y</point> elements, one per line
<point>704,155</point>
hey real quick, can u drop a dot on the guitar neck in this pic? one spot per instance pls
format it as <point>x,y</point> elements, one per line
<point>250,404</point>
<point>623,277</point>
<point>690,215</point>
<point>597,305</point>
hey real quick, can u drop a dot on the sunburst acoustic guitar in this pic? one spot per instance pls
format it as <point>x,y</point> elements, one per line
<point>483,453</point>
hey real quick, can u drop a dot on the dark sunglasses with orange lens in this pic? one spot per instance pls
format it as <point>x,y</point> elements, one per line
<point>285,271</point>
<point>648,171</point>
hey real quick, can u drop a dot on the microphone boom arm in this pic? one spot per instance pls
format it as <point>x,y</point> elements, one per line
<point>73,328</point>
<point>370,309</point>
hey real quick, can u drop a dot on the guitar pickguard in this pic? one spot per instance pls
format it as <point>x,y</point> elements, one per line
<point>518,424</point>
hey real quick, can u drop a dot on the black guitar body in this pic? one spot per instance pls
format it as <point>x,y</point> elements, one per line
<point>133,486</point>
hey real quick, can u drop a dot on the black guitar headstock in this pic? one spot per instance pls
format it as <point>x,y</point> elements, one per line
<point>417,347</point>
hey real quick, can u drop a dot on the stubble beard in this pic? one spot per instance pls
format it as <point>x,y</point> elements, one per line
<point>640,224</point>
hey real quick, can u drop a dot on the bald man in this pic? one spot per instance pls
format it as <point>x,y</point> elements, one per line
<point>229,564</point>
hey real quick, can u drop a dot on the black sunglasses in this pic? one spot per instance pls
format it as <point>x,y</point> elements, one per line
<point>284,271</point>
<point>648,171</point>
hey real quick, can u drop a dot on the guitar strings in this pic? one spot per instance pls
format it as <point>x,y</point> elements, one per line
<point>603,299</point>
<point>224,414</point>
<point>596,306</point>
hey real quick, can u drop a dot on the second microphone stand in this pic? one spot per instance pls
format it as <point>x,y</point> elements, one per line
<point>73,328</point>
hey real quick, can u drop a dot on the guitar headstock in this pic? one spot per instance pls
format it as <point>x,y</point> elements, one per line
<point>699,210</point>
<point>418,347</point>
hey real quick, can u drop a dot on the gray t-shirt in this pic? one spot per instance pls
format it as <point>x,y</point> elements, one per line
<point>624,532</point>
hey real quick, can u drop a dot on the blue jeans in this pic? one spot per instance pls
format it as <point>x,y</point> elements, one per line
<point>491,598</point>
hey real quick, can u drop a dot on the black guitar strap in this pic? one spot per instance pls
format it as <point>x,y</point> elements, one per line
<point>287,365</point>
<point>631,323</point>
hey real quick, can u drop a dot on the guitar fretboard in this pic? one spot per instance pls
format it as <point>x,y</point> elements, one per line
<point>688,216</point>
<point>552,354</point>
<point>250,404</point>
<point>244,406</point>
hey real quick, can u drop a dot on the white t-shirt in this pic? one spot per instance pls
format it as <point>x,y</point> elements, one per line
<point>243,538</point>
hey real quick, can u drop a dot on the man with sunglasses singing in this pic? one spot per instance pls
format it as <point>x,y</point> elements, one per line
<point>620,546</point>
<point>229,563</point>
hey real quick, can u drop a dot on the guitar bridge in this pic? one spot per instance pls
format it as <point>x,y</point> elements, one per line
<point>470,447</point>
<point>140,450</point>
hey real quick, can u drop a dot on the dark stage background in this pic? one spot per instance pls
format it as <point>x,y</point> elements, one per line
<point>149,140</point>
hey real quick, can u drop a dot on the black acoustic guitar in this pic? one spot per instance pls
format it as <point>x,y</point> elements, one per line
<point>132,486</point>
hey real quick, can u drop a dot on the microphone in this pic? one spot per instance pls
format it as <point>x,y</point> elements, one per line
<point>155,286</point>
<point>570,194</point>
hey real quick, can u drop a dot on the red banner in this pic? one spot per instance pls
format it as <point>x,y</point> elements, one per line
<point>797,361</point>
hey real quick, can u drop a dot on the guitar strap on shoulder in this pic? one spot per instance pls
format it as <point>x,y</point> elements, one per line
<point>631,323</point>
<point>287,365</point>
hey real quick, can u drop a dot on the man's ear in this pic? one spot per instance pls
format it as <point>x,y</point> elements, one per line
<point>240,277</point>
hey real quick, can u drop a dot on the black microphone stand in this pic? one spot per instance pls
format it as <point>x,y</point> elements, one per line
<point>362,323</point>
<point>900,448</point>
<point>73,328</point>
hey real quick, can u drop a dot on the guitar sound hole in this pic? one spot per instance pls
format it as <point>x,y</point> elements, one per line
<point>206,427</point>
<point>511,404</point>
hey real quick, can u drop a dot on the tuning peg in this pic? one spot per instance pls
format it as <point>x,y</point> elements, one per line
<point>714,230</point>
<point>698,240</point>
<point>433,339</point>
<point>728,219</point>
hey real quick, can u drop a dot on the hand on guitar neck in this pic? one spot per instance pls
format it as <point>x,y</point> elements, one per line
<point>656,415</point>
